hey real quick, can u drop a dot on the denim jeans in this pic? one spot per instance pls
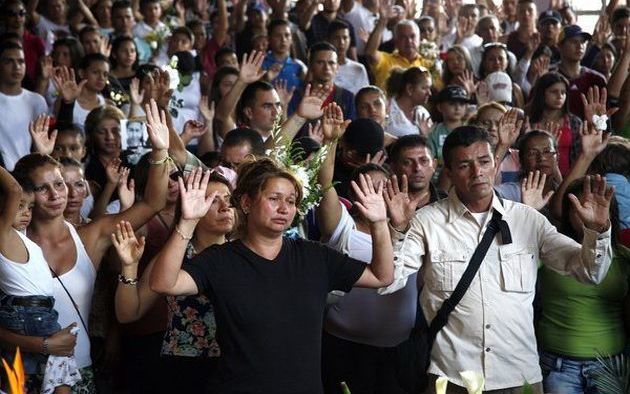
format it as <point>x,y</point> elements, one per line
<point>565,376</point>
<point>37,321</point>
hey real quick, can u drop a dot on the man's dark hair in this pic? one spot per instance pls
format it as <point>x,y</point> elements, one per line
<point>463,136</point>
<point>244,135</point>
<point>184,30</point>
<point>320,47</point>
<point>248,97</point>
<point>121,4</point>
<point>144,3</point>
<point>10,36</point>
<point>366,90</point>
<point>7,45</point>
<point>145,70</point>
<point>86,30</point>
<point>275,23</point>
<point>222,52</point>
<point>619,13</point>
<point>406,142</point>
<point>335,26</point>
<point>366,169</point>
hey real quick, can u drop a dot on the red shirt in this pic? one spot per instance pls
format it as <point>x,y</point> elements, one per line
<point>33,50</point>
<point>581,84</point>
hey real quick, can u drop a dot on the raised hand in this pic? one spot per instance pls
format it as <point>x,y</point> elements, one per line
<point>193,129</point>
<point>595,105</point>
<point>378,158</point>
<point>65,81</point>
<point>156,126</point>
<point>552,127</point>
<point>273,71</point>
<point>126,190</point>
<point>285,93</point>
<point>311,105</point>
<point>105,48</point>
<point>400,206</point>
<point>593,141</point>
<point>385,9</point>
<point>136,95</point>
<point>251,67</point>
<point>315,132</point>
<point>370,201</point>
<point>532,188</point>
<point>38,129</point>
<point>46,67</point>
<point>206,109</point>
<point>593,207</point>
<point>509,128</point>
<point>194,202</point>
<point>113,171</point>
<point>333,125</point>
<point>425,124</point>
<point>128,248</point>
<point>467,81</point>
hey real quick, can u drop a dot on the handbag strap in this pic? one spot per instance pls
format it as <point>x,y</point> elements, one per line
<point>497,224</point>
<point>74,304</point>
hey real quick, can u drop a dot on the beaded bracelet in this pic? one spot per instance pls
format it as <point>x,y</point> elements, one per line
<point>127,281</point>
<point>159,162</point>
<point>181,234</point>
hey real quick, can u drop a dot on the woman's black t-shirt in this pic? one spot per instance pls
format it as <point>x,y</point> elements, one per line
<point>269,312</point>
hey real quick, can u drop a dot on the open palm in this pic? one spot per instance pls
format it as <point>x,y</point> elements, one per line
<point>400,206</point>
<point>593,207</point>
<point>157,126</point>
<point>195,204</point>
<point>128,247</point>
<point>369,199</point>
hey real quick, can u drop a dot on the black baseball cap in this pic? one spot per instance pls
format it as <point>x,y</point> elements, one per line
<point>365,136</point>
<point>573,31</point>
<point>549,15</point>
<point>452,93</point>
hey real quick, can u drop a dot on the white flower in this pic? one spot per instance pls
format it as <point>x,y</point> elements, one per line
<point>302,176</point>
<point>153,45</point>
<point>173,76</point>
<point>600,122</point>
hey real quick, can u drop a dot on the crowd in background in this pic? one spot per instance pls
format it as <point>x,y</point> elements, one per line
<point>141,212</point>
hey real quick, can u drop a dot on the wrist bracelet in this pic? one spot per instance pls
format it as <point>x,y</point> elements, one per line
<point>181,234</point>
<point>159,162</point>
<point>45,346</point>
<point>127,281</point>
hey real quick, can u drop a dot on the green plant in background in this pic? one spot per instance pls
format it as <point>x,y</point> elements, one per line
<point>613,375</point>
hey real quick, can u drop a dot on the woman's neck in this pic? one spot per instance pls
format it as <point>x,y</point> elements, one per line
<point>406,105</point>
<point>203,239</point>
<point>47,228</point>
<point>552,114</point>
<point>123,71</point>
<point>74,218</point>
<point>88,95</point>
<point>267,246</point>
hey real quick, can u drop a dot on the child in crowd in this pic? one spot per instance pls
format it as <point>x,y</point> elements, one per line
<point>278,62</point>
<point>26,287</point>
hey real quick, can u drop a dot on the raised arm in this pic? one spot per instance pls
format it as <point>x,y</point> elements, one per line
<point>113,173</point>
<point>167,276</point>
<point>306,17</point>
<point>97,234</point>
<point>310,108</point>
<point>220,31</point>
<point>206,141</point>
<point>12,193</point>
<point>43,142</point>
<point>380,271</point>
<point>620,73</point>
<point>134,297</point>
<point>373,42</point>
<point>593,142</point>
<point>250,71</point>
<point>509,130</point>
<point>329,209</point>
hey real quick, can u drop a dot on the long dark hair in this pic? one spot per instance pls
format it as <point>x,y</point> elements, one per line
<point>537,101</point>
<point>400,78</point>
<point>116,44</point>
<point>215,94</point>
<point>447,75</point>
<point>484,54</point>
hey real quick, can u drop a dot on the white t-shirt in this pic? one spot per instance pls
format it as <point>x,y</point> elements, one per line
<point>50,31</point>
<point>398,124</point>
<point>469,42</point>
<point>362,315</point>
<point>16,112</point>
<point>79,114</point>
<point>352,76</point>
<point>185,104</point>
<point>363,19</point>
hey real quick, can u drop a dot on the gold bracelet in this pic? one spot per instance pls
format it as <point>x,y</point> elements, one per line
<point>160,162</point>
<point>181,234</point>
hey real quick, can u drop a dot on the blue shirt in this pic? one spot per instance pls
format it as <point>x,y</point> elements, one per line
<point>291,70</point>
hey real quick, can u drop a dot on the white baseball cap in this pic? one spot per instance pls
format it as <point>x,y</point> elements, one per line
<point>499,87</point>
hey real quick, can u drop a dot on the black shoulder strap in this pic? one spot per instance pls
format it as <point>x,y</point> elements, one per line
<point>74,304</point>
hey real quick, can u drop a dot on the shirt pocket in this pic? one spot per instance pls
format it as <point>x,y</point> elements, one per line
<point>447,268</point>
<point>518,270</point>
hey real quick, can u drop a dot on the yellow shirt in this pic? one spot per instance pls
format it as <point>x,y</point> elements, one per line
<point>390,60</point>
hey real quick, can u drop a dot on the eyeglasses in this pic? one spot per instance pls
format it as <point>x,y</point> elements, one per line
<point>14,14</point>
<point>535,154</point>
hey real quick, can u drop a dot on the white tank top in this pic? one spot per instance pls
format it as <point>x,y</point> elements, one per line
<point>79,113</point>
<point>80,284</point>
<point>26,279</point>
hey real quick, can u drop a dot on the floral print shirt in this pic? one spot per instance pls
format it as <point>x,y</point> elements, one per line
<point>192,327</point>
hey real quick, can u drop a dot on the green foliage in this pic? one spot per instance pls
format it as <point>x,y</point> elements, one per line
<point>613,375</point>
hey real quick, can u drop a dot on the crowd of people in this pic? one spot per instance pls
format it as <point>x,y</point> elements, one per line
<point>190,190</point>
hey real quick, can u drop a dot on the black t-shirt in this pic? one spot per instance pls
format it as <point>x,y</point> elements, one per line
<point>269,312</point>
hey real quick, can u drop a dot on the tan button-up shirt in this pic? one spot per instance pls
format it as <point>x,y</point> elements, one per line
<point>491,330</point>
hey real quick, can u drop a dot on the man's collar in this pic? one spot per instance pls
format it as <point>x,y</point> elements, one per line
<point>457,209</point>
